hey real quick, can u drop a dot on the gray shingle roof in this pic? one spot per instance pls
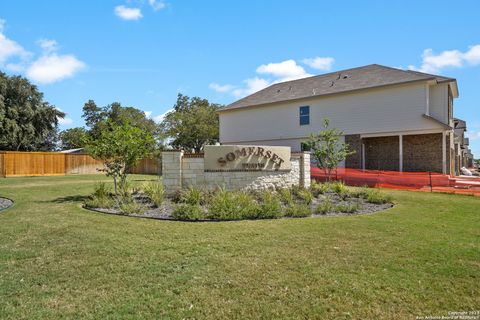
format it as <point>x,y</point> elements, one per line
<point>365,77</point>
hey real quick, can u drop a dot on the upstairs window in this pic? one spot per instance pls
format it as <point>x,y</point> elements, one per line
<point>304,115</point>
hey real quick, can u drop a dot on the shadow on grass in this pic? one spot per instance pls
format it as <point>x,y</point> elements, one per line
<point>75,198</point>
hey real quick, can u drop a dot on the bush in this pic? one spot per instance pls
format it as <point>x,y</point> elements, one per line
<point>247,206</point>
<point>305,195</point>
<point>270,206</point>
<point>101,190</point>
<point>378,197</point>
<point>132,207</point>
<point>319,188</point>
<point>188,212</point>
<point>298,211</point>
<point>125,189</point>
<point>193,196</point>
<point>338,187</point>
<point>155,191</point>
<point>326,206</point>
<point>348,208</point>
<point>223,206</point>
<point>101,197</point>
<point>99,202</point>
<point>286,196</point>
<point>361,193</point>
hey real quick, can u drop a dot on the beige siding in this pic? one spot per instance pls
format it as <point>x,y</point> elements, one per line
<point>439,102</point>
<point>392,109</point>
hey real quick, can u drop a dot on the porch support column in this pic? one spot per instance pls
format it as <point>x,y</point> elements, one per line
<point>444,152</point>
<point>400,153</point>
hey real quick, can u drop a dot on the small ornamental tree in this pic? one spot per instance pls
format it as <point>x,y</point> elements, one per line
<point>120,148</point>
<point>327,148</point>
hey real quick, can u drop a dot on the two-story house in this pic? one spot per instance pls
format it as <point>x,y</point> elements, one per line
<point>393,119</point>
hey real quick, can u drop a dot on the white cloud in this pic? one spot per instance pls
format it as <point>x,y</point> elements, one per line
<point>126,13</point>
<point>48,45</point>
<point>157,4</point>
<point>221,88</point>
<point>53,67</point>
<point>148,114</point>
<point>272,73</point>
<point>9,48</point>
<point>252,85</point>
<point>432,63</point>
<point>319,63</point>
<point>65,121</point>
<point>473,135</point>
<point>160,117</point>
<point>285,70</point>
<point>49,67</point>
<point>472,56</point>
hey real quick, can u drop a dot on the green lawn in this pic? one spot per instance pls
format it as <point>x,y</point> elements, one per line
<point>58,260</point>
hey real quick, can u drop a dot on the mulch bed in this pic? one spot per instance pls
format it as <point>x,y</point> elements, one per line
<point>165,210</point>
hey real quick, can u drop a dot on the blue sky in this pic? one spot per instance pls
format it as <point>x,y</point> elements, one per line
<point>143,52</point>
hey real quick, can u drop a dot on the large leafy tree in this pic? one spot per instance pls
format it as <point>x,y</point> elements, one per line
<point>120,148</point>
<point>73,138</point>
<point>99,118</point>
<point>27,122</point>
<point>327,148</point>
<point>192,124</point>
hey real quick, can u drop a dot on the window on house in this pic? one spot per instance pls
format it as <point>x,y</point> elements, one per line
<point>304,115</point>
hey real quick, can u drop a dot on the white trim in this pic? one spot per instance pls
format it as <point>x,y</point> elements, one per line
<point>400,153</point>
<point>363,156</point>
<point>444,152</point>
<point>396,133</point>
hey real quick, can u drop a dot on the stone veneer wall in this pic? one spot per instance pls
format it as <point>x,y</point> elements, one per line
<point>422,153</point>
<point>354,161</point>
<point>182,170</point>
<point>382,153</point>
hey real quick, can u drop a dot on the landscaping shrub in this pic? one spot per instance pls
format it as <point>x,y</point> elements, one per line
<point>361,193</point>
<point>305,195</point>
<point>270,206</point>
<point>247,206</point>
<point>298,211</point>
<point>338,187</point>
<point>223,206</point>
<point>319,188</point>
<point>101,197</point>
<point>132,207</point>
<point>188,212</point>
<point>326,206</point>
<point>286,196</point>
<point>99,202</point>
<point>348,208</point>
<point>155,191</point>
<point>193,196</point>
<point>377,197</point>
<point>101,190</point>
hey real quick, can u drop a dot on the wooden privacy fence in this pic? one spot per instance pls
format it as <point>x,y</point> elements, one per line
<point>16,164</point>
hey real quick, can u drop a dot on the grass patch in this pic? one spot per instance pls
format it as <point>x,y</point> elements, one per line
<point>60,261</point>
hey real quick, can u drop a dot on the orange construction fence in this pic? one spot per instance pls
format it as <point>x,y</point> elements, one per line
<point>418,181</point>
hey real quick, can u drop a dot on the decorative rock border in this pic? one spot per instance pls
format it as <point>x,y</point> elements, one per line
<point>5,203</point>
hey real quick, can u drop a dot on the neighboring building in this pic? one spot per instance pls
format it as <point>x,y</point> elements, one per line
<point>394,119</point>
<point>463,155</point>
